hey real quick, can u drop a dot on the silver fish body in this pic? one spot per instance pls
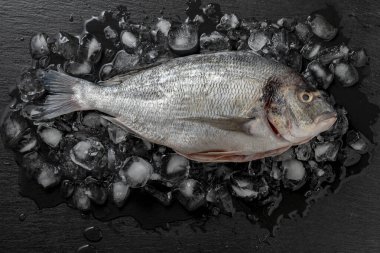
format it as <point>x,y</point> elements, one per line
<point>211,107</point>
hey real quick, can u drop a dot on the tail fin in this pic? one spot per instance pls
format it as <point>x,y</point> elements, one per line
<point>61,98</point>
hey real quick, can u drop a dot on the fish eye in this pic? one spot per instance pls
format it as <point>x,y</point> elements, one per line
<point>306,97</point>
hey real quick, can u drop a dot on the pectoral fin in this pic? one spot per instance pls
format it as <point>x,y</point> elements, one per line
<point>224,123</point>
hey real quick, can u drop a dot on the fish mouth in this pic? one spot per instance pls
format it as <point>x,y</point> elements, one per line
<point>321,123</point>
<point>326,118</point>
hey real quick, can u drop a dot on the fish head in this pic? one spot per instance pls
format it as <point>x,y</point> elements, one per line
<point>299,112</point>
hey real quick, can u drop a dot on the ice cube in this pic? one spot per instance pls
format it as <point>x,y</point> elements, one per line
<point>303,152</point>
<point>257,40</point>
<point>283,41</point>
<point>340,127</point>
<point>51,136</point>
<point>303,32</point>
<point>293,169</point>
<point>111,158</point>
<point>109,54</point>
<point>184,39</point>
<point>175,167</point>
<point>64,44</point>
<point>359,58</point>
<point>288,154</point>
<point>228,22</point>
<point>92,120</point>
<point>27,142</point>
<point>191,194</point>
<point>163,26</point>
<point>32,162</point>
<point>322,74</point>
<point>30,85</point>
<point>327,55</point>
<point>326,151</point>
<point>116,134</point>
<point>287,23</point>
<point>95,191</point>
<point>43,62</point>
<point>67,188</point>
<point>346,74</point>
<point>321,27</point>
<point>129,40</point>
<point>275,172</point>
<point>214,42</point>
<point>119,192</point>
<point>90,48</point>
<point>123,62</point>
<point>211,195</point>
<point>212,11</point>
<point>136,171</point>
<point>78,69</point>
<point>70,170</point>
<point>49,176</point>
<point>348,156</point>
<point>13,126</point>
<point>161,193</point>
<point>247,186</point>
<point>110,33</point>
<point>157,160</point>
<point>151,56</point>
<point>87,153</point>
<point>197,20</point>
<point>224,199</point>
<point>250,25</point>
<point>38,46</point>
<point>357,141</point>
<point>106,72</point>
<point>294,60</point>
<point>310,50</point>
<point>80,199</point>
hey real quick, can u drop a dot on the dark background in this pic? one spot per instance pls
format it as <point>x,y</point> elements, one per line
<point>344,222</point>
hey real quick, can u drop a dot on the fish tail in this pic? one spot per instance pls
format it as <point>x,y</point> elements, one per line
<point>64,95</point>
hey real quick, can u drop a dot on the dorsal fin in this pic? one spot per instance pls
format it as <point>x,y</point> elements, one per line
<point>118,79</point>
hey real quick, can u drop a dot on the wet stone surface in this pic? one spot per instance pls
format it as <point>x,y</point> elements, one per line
<point>93,165</point>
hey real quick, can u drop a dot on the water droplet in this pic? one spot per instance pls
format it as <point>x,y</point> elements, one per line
<point>88,248</point>
<point>93,234</point>
<point>22,217</point>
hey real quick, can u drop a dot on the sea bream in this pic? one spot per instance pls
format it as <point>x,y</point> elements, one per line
<point>220,107</point>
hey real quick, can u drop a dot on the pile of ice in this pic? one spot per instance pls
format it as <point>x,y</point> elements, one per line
<point>95,162</point>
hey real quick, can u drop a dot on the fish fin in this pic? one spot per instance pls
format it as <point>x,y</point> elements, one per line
<point>231,156</point>
<point>120,78</point>
<point>215,156</point>
<point>230,124</point>
<point>268,153</point>
<point>61,98</point>
<point>116,80</point>
<point>120,123</point>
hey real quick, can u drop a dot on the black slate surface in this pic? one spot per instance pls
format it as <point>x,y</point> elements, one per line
<point>345,222</point>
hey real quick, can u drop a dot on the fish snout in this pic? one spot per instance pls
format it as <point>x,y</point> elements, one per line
<point>325,120</point>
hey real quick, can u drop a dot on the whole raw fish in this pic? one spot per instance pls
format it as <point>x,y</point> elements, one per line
<point>222,107</point>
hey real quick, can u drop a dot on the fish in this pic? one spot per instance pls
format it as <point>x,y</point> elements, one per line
<point>216,107</point>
